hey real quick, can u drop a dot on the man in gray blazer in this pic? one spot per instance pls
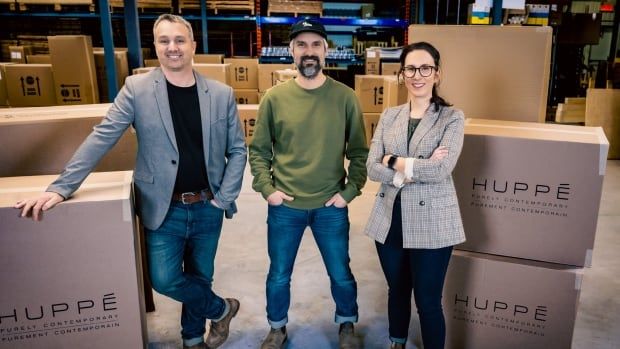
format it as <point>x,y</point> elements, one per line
<point>189,168</point>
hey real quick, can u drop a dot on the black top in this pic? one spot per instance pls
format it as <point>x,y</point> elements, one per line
<point>185,110</point>
<point>413,124</point>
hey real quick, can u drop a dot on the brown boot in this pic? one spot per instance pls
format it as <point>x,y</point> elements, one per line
<point>219,330</point>
<point>275,339</point>
<point>347,336</point>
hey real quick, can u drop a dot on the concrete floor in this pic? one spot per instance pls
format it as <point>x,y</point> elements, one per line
<point>242,264</point>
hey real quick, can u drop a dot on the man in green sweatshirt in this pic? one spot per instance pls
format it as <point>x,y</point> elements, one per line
<point>305,128</point>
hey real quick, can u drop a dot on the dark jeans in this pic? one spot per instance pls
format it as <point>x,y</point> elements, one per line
<point>422,270</point>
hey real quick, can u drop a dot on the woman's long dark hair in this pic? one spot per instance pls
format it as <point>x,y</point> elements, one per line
<point>436,99</point>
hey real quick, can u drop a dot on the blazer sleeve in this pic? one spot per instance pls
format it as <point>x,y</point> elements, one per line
<point>377,172</point>
<point>103,137</point>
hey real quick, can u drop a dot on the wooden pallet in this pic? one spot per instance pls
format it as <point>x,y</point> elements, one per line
<point>296,7</point>
<point>58,5</point>
<point>218,5</point>
<point>143,5</point>
<point>8,4</point>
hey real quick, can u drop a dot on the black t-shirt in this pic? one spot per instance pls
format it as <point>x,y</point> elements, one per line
<point>185,109</point>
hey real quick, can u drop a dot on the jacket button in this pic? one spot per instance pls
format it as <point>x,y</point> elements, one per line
<point>422,203</point>
<point>174,162</point>
<point>420,157</point>
<point>381,194</point>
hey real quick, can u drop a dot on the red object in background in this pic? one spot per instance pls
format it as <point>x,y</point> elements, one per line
<point>607,7</point>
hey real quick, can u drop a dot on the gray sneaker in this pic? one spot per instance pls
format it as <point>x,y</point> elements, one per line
<point>219,330</point>
<point>275,339</point>
<point>347,336</point>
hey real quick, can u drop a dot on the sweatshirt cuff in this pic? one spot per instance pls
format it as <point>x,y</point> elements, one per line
<point>349,193</point>
<point>267,190</point>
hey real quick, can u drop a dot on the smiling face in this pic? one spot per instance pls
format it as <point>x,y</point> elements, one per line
<point>419,86</point>
<point>174,46</point>
<point>309,51</point>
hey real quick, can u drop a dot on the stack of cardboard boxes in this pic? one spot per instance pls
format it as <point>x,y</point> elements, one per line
<point>529,196</point>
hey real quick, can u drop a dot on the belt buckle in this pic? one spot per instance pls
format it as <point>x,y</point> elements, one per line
<point>183,197</point>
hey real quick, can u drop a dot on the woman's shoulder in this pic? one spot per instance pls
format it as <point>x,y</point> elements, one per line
<point>452,113</point>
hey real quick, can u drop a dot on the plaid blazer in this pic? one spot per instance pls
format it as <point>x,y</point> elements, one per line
<point>430,211</point>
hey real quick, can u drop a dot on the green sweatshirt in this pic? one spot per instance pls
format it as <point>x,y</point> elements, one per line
<point>300,141</point>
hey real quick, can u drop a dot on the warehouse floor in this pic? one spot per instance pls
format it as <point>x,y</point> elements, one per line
<point>242,264</point>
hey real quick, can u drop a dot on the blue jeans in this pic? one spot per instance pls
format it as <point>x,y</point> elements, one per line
<point>330,228</point>
<point>181,255</point>
<point>424,271</point>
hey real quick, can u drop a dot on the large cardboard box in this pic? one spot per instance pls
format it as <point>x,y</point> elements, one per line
<point>74,279</point>
<point>266,76</point>
<point>284,75</point>
<point>394,93</point>
<point>74,69</point>
<point>243,72</point>
<point>372,65</point>
<point>531,190</point>
<point>248,113</point>
<point>208,58</point>
<point>603,109</point>
<point>370,125</point>
<point>4,99</point>
<point>492,72</point>
<point>30,85</point>
<point>246,96</point>
<point>219,72</point>
<point>369,91</point>
<point>142,70</point>
<point>151,63</point>
<point>495,302</point>
<point>37,141</point>
<point>19,53</point>
<point>122,71</point>
<point>39,59</point>
<point>390,68</point>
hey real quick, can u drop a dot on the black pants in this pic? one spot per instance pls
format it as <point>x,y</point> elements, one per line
<point>422,270</point>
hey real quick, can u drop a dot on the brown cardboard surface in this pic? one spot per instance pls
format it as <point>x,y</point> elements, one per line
<point>142,70</point>
<point>219,72</point>
<point>151,63</point>
<point>30,85</point>
<point>243,72</point>
<point>394,93</point>
<point>4,99</point>
<point>208,58</point>
<point>372,65</point>
<point>122,71</point>
<point>266,77</point>
<point>603,109</point>
<point>248,113</point>
<point>530,190</point>
<point>19,53</point>
<point>74,69</point>
<point>281,76</point>
<point>246,96</point>
<point>488,300</point>
<point>492,72</point>
<point>41,140</point>
<point>389,68</point>
<point>370,124</point>
<point>39,59</point>
<point>77,273</point>
<point>369,91</point>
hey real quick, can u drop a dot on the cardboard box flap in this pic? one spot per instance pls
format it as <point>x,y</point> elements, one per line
<point>14,116</point>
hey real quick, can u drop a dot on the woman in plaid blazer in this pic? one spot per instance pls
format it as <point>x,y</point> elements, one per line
<point>415,220</point>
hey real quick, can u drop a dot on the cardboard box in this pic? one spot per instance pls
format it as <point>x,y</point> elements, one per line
<point>369,91</point>
<point>266,76</point>
<point>39,59</point>
<point>243,72</point>
<point>151,62</point>
<point>394,93</point>
<point>389,68</point>
<point>73,280</point>
<point>208,58</point>
<point>370,125</point>
<point>248,113</point>
<point>39,141</point>
<point>142,70</point>
<point>30,85</point>
<point>246,96</point>
<point>74,69</point>
<point>4,98</point>
<point>492,72</point>
<point>285,75</point>
<point>488,300</point>
<point>530,190</point>
<point>372,65</point>
<point>19,53</point>
<point>219,72</point>
<point>122,71</point>
<point>603,109</point>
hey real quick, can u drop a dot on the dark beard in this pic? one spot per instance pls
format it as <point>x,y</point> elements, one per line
<point>309,71</point>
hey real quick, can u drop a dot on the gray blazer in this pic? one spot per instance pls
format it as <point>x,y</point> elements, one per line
<point>143,104</point>
<point>430,210</point>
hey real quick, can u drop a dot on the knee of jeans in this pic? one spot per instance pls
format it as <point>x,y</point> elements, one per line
<point>164,284</point>
<point>278,278</point>
<point>429,308</point>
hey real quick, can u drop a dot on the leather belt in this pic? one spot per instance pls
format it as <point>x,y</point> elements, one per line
<point>192,197</point>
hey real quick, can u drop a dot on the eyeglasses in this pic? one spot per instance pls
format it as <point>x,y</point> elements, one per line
<point>425,71</point>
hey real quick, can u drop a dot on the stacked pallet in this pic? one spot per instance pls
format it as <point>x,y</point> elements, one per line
<point>217,5</point>
<point>37,42</point>
<point>295,7</point>
<point>10,4</point>
<point>58,4</point>
<point>144,4</point>
<point>573,110</point>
